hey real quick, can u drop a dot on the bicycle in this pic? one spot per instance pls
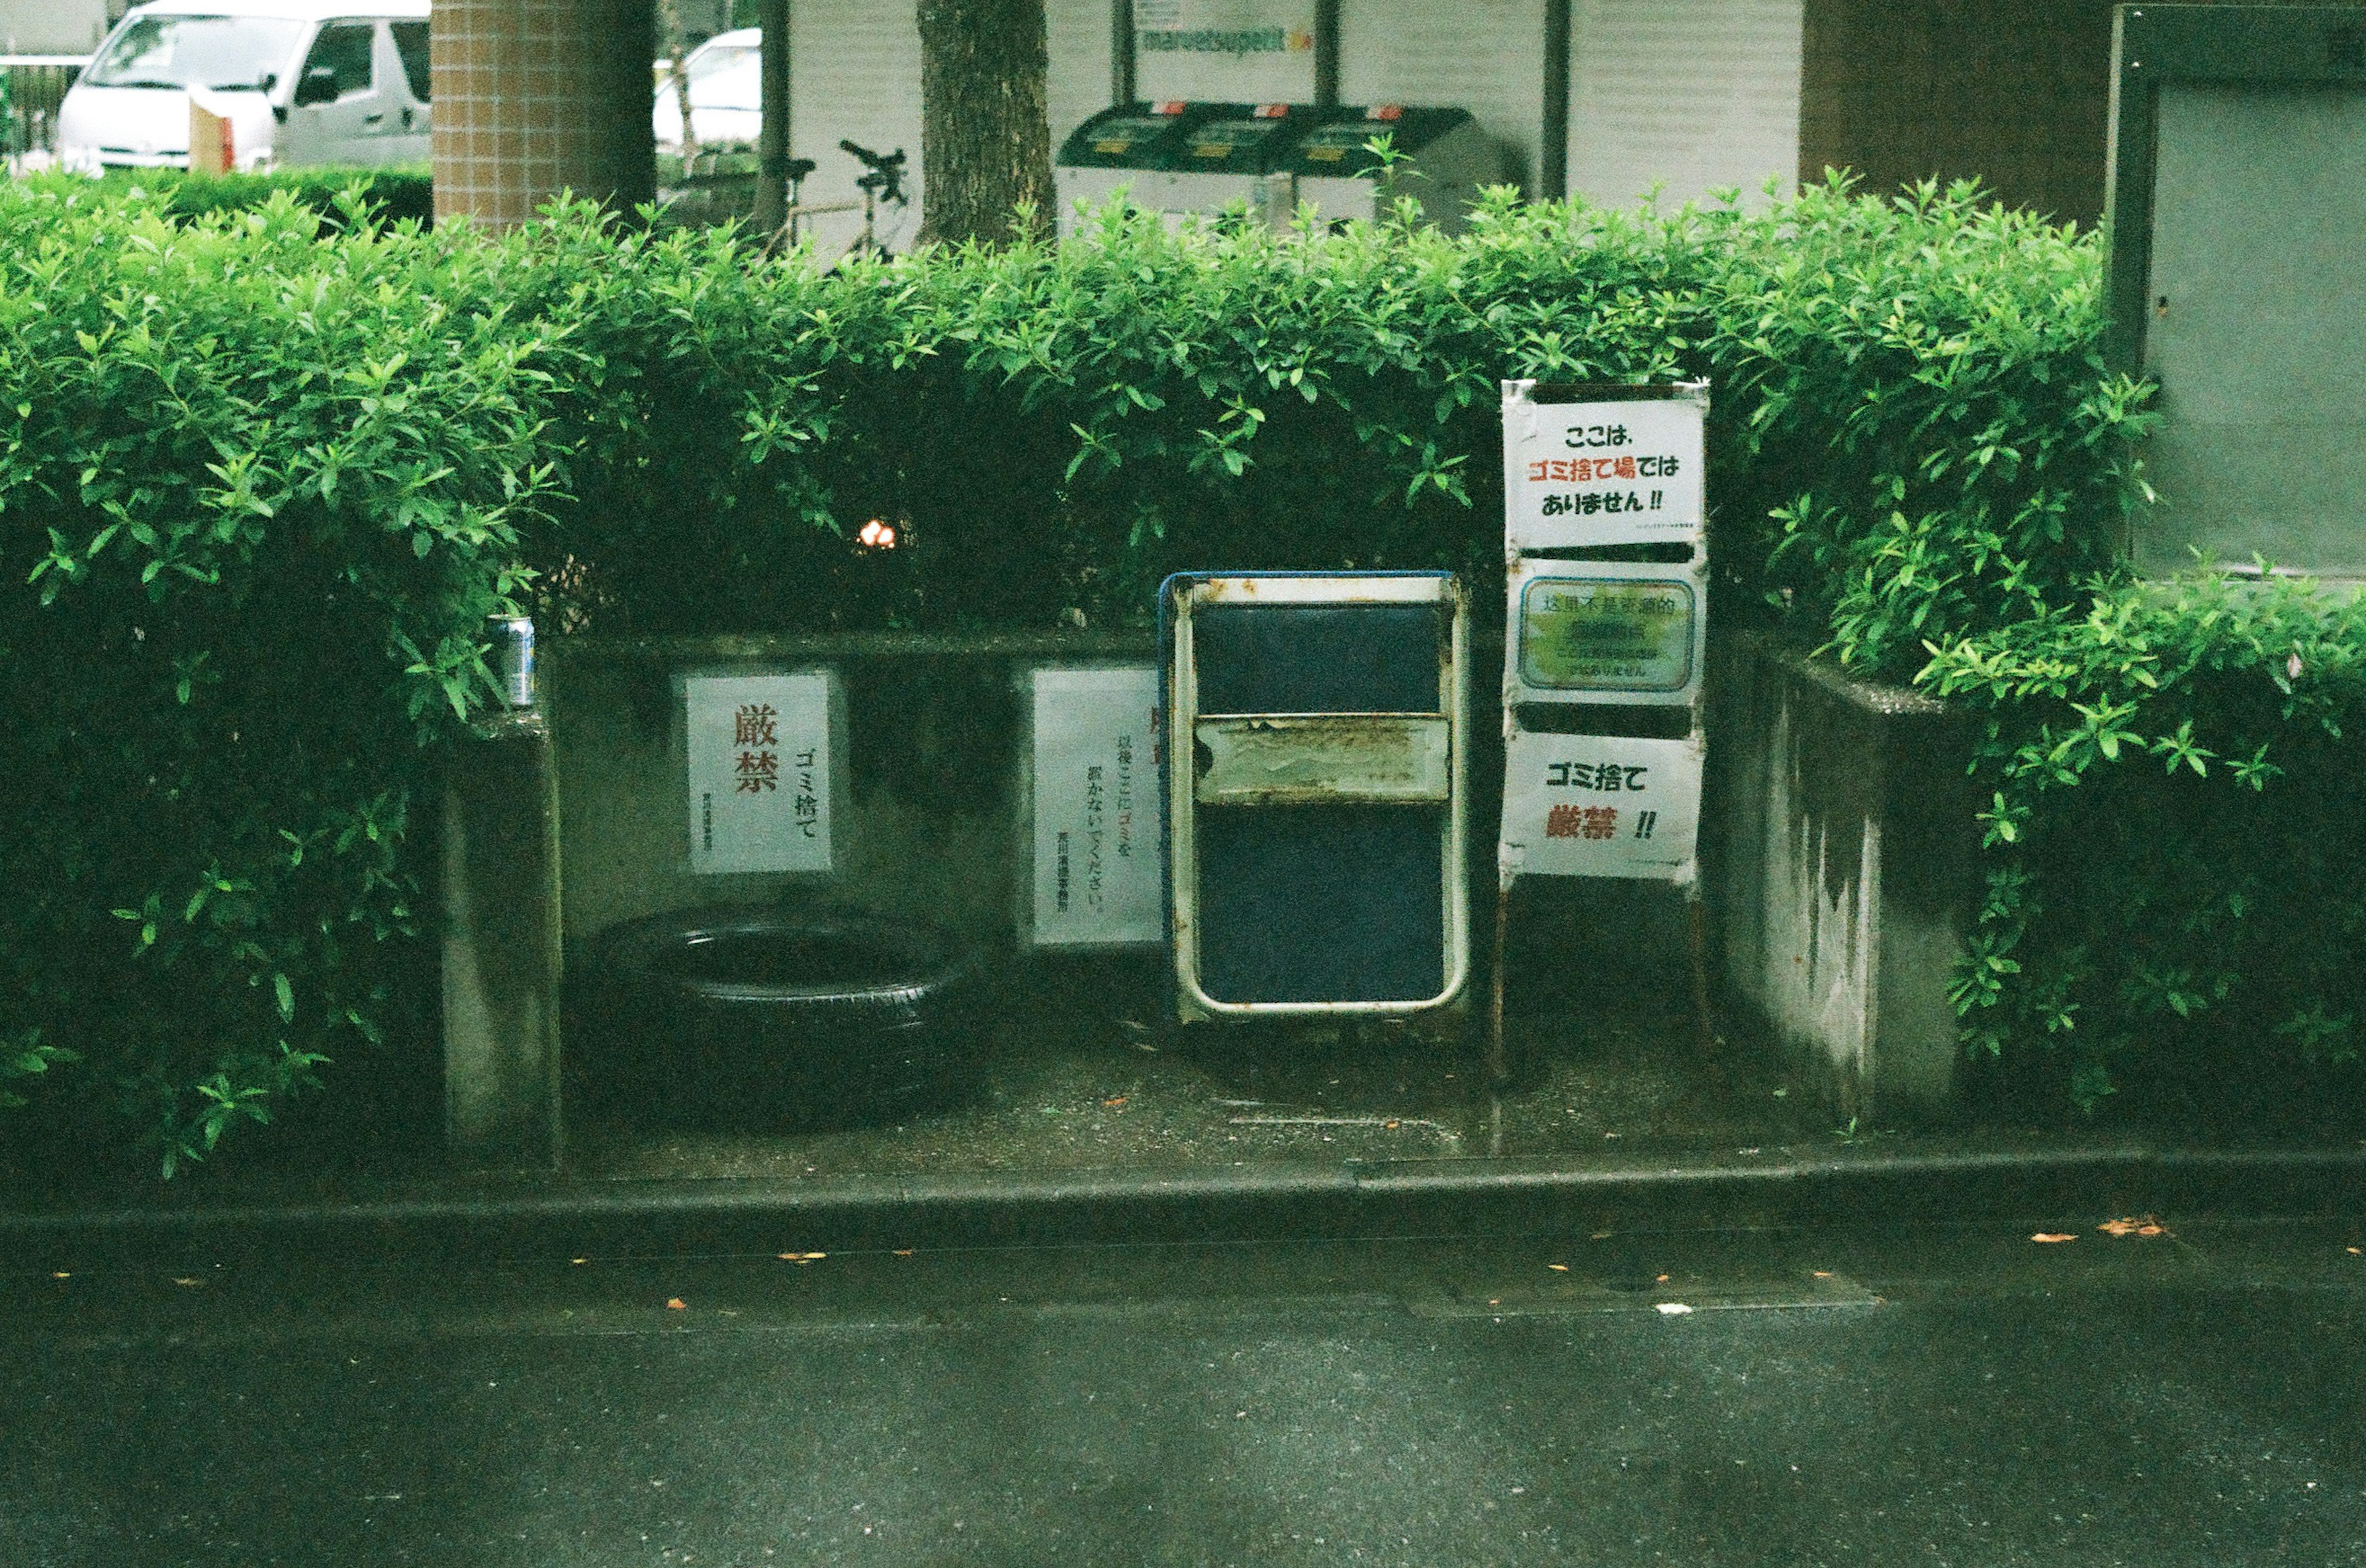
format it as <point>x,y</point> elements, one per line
<point>883,186</point>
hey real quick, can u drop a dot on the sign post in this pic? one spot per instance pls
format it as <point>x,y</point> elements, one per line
<point>1605,558</point>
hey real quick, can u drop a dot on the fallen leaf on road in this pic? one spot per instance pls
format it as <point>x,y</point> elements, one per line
<point>2146,1226</point>
<point>2053,1236</point>
<point>1673,1308</point>
<point>675,1303</point>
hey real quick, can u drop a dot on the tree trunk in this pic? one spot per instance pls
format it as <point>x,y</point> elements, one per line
<point>986,139</point>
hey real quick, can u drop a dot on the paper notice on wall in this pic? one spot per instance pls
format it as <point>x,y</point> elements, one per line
<point>1579,475</point>
<point>765,753</point>
<point>1600,805</point>
<point>1593,631</point>
<point>1099,835</point>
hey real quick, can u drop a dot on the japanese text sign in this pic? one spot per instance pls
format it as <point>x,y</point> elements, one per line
<point>1097,829</point>
<point>1578,475</point>
<point>1601,806</point>
<point>1591,631</point>
<point>764,754</point>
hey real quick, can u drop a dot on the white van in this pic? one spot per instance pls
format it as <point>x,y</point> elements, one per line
<point>299,81</point>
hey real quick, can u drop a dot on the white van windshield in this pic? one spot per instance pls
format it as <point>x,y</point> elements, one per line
<point>727,78</point>
<point>222,52</point>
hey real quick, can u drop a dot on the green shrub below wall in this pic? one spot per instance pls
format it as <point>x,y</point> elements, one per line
<point>268,480</point>
<point>390,193</point>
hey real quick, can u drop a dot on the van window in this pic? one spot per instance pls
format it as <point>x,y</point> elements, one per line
<point>410,42</point>
<point>222,52</point>
<point>347,49</point>
<point>728,77</point>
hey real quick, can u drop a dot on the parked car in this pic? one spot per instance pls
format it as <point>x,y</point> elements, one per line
<point>726,93</point>
<point>301,82</point>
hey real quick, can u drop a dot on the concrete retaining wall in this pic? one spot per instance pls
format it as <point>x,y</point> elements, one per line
<point>933,728</point>
<point>1840,853</point>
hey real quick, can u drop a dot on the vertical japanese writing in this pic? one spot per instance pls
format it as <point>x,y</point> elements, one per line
<point>808,805</point>
<point>755,730</point>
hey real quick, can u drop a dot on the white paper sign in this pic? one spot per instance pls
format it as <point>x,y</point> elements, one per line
<point>763,754</point>
<point>1099,866</point>
<point>1600,805</point>
<point>1579,475</point>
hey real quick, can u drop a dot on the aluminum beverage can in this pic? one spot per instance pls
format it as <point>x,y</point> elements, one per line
<point>514,653</point>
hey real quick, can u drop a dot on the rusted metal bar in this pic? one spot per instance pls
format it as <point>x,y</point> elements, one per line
<point>1696,935</point>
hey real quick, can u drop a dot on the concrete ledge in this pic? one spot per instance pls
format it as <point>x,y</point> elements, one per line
<point>486,1222</point>
<point>1840,864</point>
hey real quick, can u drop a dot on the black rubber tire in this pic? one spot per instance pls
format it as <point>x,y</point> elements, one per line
<point>888,1027</point>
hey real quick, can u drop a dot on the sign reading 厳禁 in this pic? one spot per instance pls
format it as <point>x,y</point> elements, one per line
<point>765,758</point>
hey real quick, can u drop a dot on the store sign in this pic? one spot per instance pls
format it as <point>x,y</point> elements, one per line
<point>765,754</point>
<point>1097,836</point>
<point>1583,474</point>
<point>1583,630</point>
<point>1246,51</point>
<point>1601,806</point>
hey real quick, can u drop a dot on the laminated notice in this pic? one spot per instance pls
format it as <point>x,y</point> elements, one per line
<point>1621,632</point>
<point>764,755</point>
<point>1098,833</point>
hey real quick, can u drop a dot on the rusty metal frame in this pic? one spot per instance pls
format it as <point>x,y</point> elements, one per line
<point>1183,714</point>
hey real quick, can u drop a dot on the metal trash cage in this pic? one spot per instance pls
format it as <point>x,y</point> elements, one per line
<point>1317,745</point>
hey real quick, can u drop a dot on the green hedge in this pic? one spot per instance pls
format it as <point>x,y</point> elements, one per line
<point>270,478</point>
<point>390,194</point>
<point>257,493</point>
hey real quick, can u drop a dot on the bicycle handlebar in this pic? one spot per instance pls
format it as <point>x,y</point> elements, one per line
<point>886,175</point>
<point>882,162</point>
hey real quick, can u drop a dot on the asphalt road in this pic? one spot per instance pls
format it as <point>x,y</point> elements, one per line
<point>1955,1395</point>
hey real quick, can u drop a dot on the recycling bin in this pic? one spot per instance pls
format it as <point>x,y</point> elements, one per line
<point>1442,160</point>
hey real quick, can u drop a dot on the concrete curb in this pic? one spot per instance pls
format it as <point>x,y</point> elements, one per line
<point>482,1221</point>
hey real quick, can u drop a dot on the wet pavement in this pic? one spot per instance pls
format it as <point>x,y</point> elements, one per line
<point>1955,1393</point>
<point>1097,1088</point>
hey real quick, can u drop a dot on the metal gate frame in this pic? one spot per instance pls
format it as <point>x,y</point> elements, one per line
<point>1189,590</point>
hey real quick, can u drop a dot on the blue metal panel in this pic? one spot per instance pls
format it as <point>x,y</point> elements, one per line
<point>1319,658</point>
<point>1322,903</point>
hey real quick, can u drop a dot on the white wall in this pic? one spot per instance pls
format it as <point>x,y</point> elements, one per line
<point>855,74</point>
<point>1486,56</point>
<point>1696,93</point>
<point>53,26</point>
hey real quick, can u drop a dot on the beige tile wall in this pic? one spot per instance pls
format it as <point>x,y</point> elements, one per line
<point>536,96</point>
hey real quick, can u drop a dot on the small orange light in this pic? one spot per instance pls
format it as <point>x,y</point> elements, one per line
<point>877,535</point>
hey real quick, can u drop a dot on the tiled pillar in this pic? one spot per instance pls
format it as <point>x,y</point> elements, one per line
<point>536,96</point>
